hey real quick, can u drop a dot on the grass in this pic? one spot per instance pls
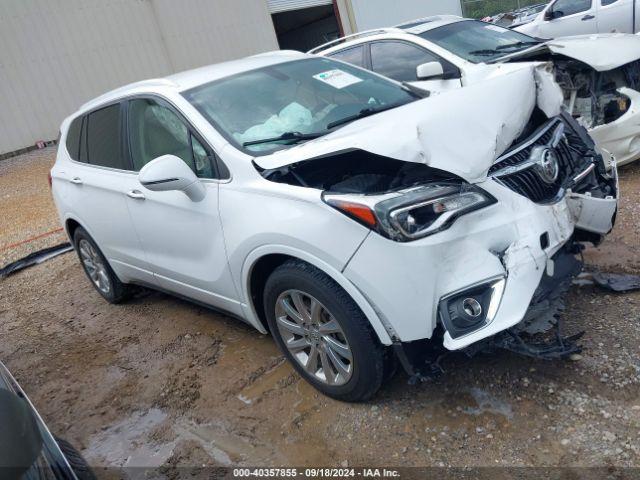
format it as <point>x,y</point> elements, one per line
<point>484,8</point>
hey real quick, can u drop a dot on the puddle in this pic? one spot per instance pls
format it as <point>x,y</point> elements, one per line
<point>129,444</point>
<point>225,447</point>
<point>265,383</point>
<point>487,403</point>
<point>126,443</point>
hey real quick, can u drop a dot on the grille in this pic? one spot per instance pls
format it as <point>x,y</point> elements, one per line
<point>520,172</point>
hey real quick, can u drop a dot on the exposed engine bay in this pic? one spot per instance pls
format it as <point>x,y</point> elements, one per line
<point>593,96</point>
<point>590,95</point>
<point>357,171</point>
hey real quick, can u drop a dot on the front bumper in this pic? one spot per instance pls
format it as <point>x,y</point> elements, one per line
<point>514,239</point>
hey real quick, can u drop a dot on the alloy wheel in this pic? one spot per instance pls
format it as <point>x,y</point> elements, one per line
<point>94,266</point>
<point>314,337</point>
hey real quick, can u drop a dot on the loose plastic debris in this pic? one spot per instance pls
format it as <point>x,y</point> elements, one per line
<point>35,258</point>
<point>617,282</point>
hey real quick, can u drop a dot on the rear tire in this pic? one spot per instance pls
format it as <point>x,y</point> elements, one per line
<point>323,333</point>
<point>98,270</point>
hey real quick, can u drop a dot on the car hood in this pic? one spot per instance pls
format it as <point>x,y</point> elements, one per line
<point>461,131</point>
<point>602,52</point>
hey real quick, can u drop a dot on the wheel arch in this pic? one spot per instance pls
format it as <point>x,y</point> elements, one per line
<point>262,261</point>
<point>70,226</point>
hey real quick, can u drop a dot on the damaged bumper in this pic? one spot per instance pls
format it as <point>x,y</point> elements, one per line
<point>489,264</point>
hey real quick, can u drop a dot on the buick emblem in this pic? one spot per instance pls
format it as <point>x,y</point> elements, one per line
<point>547,163</point>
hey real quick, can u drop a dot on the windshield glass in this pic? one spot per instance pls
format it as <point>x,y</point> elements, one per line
<point>298,100</point>
<point>479,41</point>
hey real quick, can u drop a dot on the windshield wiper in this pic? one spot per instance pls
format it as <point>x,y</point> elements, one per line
<point>486,51</point>
<point>298,136</point>
<point>517,44</point>
<point>499,50</point>
<point>365,112</point>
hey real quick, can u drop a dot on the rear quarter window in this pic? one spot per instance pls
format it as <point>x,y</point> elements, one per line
<point>73,138</point>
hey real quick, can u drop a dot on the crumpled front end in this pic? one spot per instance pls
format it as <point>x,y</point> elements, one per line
<point>478,277</point>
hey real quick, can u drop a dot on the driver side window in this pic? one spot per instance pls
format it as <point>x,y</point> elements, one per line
<point>570,7</point>
<point>155,129</point>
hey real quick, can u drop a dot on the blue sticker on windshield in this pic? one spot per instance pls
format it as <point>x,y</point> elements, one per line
<point>337,78</point>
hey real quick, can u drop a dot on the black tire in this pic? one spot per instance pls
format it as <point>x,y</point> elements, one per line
<point>77,463</point>
<point>368,355</point>
<point>119,291</point>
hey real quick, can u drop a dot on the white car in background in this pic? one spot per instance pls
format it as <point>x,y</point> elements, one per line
<point>564,18</point>
<point>599,74</point>
<point>352,219</point>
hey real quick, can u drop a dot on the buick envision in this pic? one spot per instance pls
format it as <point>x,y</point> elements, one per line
<point>338,210</point>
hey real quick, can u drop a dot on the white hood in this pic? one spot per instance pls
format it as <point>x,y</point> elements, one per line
<point>602,52</point>
<point>461,131</point>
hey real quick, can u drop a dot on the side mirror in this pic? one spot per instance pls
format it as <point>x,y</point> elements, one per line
<point>429,70</point>
<point>552,14</point>
<point>169,172</point>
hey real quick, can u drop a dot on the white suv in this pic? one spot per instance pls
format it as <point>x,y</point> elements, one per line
<point>332,207</point>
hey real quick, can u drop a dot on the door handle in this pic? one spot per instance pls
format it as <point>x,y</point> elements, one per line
<point>137,194</point>
<point>76,180</point>
<point>588,17</point>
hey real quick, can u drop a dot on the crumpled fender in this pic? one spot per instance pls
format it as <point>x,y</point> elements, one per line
<point>461,131</point>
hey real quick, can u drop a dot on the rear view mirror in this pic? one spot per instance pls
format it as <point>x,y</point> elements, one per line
<point>429,70</point>
<point>169,172</point>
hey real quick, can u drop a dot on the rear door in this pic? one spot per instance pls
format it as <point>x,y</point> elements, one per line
<point>99,179</point>
<point>615,16</point>
<point>573,17</point>
<point>182,239</point>
<point>399,60</point>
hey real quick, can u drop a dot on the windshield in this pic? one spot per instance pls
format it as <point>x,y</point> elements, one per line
<point>479,41</point>
<point>298,101</point>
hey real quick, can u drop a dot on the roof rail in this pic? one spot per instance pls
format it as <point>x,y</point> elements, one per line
<point>365,33</point>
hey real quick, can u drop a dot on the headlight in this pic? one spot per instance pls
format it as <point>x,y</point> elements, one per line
<point>413,213</point>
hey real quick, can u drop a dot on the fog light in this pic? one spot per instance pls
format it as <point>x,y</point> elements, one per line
<point>471,308</point>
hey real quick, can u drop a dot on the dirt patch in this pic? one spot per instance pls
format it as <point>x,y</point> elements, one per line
<point>159,381</point>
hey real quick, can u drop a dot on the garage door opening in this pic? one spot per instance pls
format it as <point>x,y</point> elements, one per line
<point>303,29</point>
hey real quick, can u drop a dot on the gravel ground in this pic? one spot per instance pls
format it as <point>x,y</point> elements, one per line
<point>161,382</point>
<point>25,203</point>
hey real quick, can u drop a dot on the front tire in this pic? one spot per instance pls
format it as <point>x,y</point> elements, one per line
<point>323,333</point>
<point>98,270</point>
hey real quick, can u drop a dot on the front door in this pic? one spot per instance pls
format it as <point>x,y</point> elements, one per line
<point>572,17</point>
<point>182,239</point>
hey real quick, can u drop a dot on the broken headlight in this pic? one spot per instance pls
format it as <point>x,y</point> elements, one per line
<point>414,213</point>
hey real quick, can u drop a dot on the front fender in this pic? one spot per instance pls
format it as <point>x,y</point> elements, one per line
<point>249,308</point>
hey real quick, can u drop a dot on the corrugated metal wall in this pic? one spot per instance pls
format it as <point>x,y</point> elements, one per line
<point>277,6</point>
<point>57,54</point>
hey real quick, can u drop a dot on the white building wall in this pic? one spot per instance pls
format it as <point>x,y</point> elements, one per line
<point>57,54</point>
<point>370,14</point>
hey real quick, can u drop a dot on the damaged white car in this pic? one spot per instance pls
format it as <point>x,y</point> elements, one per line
<point>599,74</point>
<point>355,221</point>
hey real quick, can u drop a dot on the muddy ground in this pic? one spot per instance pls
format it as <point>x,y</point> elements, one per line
<point>158,381</point>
